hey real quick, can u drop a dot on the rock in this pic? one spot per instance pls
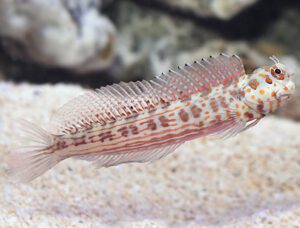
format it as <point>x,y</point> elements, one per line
<point>67,34</point>
<point>212,8</point>
<point>248,180</point>
<point>251,58</point>
<point>151,40</point>
<point>285,30</point>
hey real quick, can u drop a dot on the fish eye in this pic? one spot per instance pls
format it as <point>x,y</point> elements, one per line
<point>278,71</point>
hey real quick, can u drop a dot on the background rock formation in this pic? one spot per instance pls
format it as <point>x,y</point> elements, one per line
<point>212,8</point>
<point>67,34</point>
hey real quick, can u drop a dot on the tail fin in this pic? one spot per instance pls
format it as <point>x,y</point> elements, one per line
<point>27,163</point>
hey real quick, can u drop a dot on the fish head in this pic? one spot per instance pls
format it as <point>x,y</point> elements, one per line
<point>268,87</point>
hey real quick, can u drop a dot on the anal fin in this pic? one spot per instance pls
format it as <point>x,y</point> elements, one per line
<point>139,156</point>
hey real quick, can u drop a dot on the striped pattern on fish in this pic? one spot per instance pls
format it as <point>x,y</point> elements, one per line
<point>171,122</point>
<point>144,121</point>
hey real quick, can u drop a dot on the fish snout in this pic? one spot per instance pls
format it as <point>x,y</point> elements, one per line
<point>287,91</point>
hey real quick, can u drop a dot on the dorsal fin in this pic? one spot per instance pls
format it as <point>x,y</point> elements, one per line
<point>200,76</point>
<point>105,104</point>
<point>112,102</point>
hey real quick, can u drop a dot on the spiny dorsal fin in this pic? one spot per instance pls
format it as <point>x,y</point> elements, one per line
<point>200,76</point>
<point>103,105</point>
<point>112,102</point>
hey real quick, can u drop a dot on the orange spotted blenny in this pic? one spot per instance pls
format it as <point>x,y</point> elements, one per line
<point>146,120</point>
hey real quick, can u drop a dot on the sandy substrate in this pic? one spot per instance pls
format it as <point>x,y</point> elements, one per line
<point>250,180</point>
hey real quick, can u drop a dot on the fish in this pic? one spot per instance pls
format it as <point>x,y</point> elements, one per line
<point>144,121</point>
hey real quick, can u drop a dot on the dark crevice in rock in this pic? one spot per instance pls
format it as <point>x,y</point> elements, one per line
<point>249,24</point>
<point>20,70</point>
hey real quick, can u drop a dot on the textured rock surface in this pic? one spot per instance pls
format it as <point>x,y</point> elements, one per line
<point>284,31</point>
<point>149,41</point>
<point>249,180</point>
<point>151,36</point>
<point>62,33</point>
<point>217,8</point>
<point>153,41</point>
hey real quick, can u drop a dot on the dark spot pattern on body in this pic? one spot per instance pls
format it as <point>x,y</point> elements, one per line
<point>184,116</point>
<point>151,125</point>
<point>163,121</point>
<point>106,135</point>
<point>134,129</point>
<point>248,115</point>
<point>196,111</point>
<point>260,107</point>
<point>214,105</point>
<point>201,124</point>
<point>60,145</point>
<point>79,140</point>
<point>124,131</point>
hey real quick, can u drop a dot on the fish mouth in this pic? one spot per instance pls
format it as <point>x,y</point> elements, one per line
<point>283,97</point>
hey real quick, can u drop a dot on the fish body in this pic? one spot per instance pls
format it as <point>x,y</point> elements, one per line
<point>145,121</point>
<point>166,124</point>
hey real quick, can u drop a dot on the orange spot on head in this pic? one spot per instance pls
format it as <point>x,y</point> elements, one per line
<point>238,113</point>
<point>259,100</point>
<point>253,84</point>
<point>262,92</point>
<point>253,96</point>
<point>273,93</point>
<point>262,75</point>
<point>243,107</point>
<point>269,80</point>
<point>271,105</point>
<point>285,88</point>
<point>248,90</point>
<point>275,84</point>
<point>237,106</point>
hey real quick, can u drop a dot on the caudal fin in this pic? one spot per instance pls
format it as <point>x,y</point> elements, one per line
<point>28,162</point>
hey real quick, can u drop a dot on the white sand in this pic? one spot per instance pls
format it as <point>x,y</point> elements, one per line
<point>250,180</point>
